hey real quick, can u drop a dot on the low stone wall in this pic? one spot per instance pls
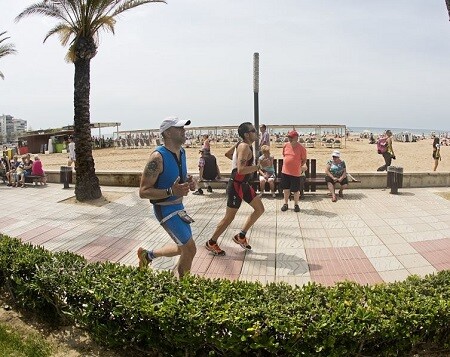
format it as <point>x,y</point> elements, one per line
<point>368,179</point>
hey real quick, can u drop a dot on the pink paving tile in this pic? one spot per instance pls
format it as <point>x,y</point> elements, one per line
<point>7,221</point>
<point>36,231</point>
<point>443,266</point>
<point>123,243</point>
<point>45,237</point>
<point>111,254</point>
<point>202,261</point>
<point>224,267</point>
<point>432,245</point>
<point>437,252</point>
<point>91,250</point>
<point>329,265</point>
<point>220,276</point>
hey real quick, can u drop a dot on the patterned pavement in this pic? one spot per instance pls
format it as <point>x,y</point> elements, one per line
<point>369,236</point>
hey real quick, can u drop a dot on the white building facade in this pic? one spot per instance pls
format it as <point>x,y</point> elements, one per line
<point>11,128</point>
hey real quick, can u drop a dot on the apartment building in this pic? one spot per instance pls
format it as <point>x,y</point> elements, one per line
<point>11,128</point>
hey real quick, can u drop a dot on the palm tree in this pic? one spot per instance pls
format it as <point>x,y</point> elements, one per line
<point>447,2</point>
<point>79,22</point>
<point>5,49</point>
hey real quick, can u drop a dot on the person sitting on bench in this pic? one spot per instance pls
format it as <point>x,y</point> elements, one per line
<point>37,170</point>
<point>336,172</point>
<point>208,170</point>
<point>266,173</point>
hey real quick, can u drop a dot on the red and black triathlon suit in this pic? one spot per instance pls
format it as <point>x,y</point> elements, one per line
<point>239,189</point>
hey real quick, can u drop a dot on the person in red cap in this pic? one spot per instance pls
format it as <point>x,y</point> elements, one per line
<point>294,157</point>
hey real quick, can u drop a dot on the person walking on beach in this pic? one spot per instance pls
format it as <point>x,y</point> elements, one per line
<point>436,152</point>
<point>388,154</point>
<point>294,157</point>
<point>71,149</point>
<point>239,189</point>
<point>165,181</point>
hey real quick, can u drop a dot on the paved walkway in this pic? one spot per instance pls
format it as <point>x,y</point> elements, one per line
<point>370,236</point>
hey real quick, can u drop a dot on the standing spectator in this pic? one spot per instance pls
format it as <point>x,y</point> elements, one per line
<point>206,144</point>
<point>294,157</point>
<point>239,189</point>
<point>37,170</point>
<point>336,172</point>
<point>165,181</point>
<point>267,173</point>
<point>388,155</point>
<point>71,148</point>
<point>265,138</point>
<point>208,170</point>
<point>436,152</point>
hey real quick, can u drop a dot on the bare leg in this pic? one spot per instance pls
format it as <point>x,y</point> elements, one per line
<point>186,252</point>
<point>262,185</point>
<point>230,213</point>
<point>286,194</point>
<point>436,163</point>
<point>272,185</point>
<point>296,197</point>
<point>343,187</point>
<point>258,207</point>
<point>331,189</point>
<point>186,257</point>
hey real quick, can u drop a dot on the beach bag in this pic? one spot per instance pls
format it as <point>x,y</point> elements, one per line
<point>382,145</point>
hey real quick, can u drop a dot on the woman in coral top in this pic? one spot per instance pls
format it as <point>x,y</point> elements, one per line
<point>294,157</point>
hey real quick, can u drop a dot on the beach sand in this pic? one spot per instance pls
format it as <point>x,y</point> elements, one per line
<point>358,154</point>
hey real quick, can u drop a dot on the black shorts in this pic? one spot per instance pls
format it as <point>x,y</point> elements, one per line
<point>238,191</point>
<point>291,183</point>
<point>330,180</point>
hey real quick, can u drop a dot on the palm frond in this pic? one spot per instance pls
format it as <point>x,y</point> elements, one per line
<point>45,8</point>
<point>63,31</point>
<point>7,48</point>
<point>1,75</point>
<point>129,4</point>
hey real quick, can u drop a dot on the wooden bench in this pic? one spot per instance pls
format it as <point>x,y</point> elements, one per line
<point>310,181</point>
<point>34,179</point>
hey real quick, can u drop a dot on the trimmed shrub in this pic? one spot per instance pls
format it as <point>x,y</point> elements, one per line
<point>123,307</point>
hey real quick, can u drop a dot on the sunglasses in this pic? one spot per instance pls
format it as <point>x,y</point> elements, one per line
<point>252,130</point>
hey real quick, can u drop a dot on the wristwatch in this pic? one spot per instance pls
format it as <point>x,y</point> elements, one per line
<point>169,191</point>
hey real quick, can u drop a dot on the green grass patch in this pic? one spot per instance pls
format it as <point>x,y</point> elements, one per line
<point>22,344</point>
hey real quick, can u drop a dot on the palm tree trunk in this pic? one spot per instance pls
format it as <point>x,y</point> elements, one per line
<point>87,185</point>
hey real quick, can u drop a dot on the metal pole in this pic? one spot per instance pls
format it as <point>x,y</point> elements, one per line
<point>255,98</point>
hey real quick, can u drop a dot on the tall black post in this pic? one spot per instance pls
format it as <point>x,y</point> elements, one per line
<point>255,98</point>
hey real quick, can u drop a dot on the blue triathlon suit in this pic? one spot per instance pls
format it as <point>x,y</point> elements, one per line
<point>179,230</point>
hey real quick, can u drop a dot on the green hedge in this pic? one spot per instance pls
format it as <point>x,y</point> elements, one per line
<point>121,306</point>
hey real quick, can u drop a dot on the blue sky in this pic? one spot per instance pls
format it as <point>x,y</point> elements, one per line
<point>359,63</point>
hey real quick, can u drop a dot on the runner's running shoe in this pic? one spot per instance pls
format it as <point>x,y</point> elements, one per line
<point>214,248</point>
<point>144,260</point>
<point>242,241</point>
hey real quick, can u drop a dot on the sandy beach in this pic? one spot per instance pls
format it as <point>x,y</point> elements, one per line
<point>359,155</point>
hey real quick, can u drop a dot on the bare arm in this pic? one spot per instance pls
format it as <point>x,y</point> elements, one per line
<point>328,173</point>
<point>151,173</point>
<point>230,152</point>
<point>152,170</point>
